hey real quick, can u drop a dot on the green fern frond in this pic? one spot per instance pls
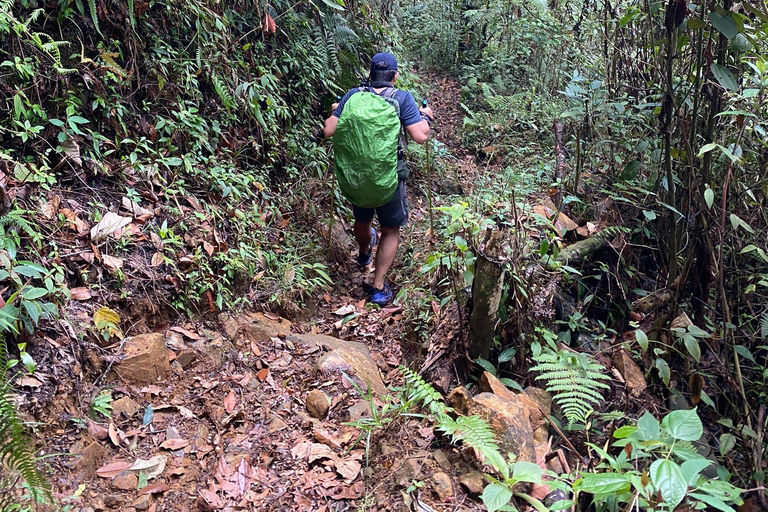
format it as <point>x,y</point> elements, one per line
<point>15,448</point>
<point>764,325</point>
<point>575,380</point>
<point>420,391</point>
<point>222,91</point>
<point>94,16</point>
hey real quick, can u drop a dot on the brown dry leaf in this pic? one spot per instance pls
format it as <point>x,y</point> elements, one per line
<point>320,451</point>
<point>113,469</point>
<point>350,492</point>
<point>72,150</point>
<point>97,431</point>
<point>80,293</point>
<point>109,224</point>
<point>151,467</point>
<point>174,444</point>
<point>326,438</point>
<point>156,241</point>
<point>154,489</point>
<point>208,248</point>
<point>348,469</point>
<point>186,413</point>
<point>262,374</point>
<point>230,402</point>
<point>112,263</point>
<point>301,450</point>
<point>157,259</point>
<point>134,209</point>
<point>113,434</point>
<point>50,208</point>
<point>186,332</point>
<point>29,382</point>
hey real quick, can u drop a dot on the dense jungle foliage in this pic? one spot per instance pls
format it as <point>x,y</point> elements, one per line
<point>207,110</point>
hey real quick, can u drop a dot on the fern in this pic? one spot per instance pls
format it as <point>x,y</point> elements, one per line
<point>94,16</point>
<point>15,449</point>
<point>764,325</point>
<point>575,380</point>
<point>222,91</point>
<point>472,431</point>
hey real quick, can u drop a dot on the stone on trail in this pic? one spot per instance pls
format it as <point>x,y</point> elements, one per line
<point>508,418</point>
<point>318,404</point>
<point>442,485</point>
<point>125,481</point>
<point>144,359</point>
<point>257,327</point>
<point>346,356</point>
<point>473,481</point>
<point>125,406</point>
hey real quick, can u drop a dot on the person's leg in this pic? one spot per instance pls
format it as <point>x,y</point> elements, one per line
<point>362,232</point>
<point>385,256</point>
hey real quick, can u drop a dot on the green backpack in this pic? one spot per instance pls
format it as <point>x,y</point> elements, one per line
<point>365,146</point>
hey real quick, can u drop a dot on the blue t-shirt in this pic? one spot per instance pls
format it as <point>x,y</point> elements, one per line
<point>409,111</point>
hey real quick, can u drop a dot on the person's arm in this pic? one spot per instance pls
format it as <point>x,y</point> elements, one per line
<point>330,126</point>
<point>416,120</point>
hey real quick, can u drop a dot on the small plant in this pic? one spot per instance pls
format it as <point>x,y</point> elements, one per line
<point>102,404</point>
<point>575,379</point>
<point>658,468</point>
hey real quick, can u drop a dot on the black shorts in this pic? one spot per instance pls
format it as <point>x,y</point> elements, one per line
<point>394,214</point>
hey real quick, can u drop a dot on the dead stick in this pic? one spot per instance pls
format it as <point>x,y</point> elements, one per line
<point>567,441</point>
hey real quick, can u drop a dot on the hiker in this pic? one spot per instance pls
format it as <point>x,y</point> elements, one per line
<point>368,127</point>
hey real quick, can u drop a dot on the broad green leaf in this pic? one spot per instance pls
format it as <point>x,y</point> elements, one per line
<point>333,5</point>
<point>486,365</point>
<point>709,197</point>
<point>496,496</point>
<point>737,222</point>
<point>664,371</point>
<point>683,425</point>
<point>648,427</point>
<point>690,469</point>
<point>724,77</point>
<point>745,353</point>
<point>727,442</point>
<point>507,354</point>
<point>642,339</point>
<point>712,501</point>
<point>706,148</point>
<point>692,345</point>
<point>77,120</point>
<point>601,484</point>
<point>625,431</point>
<point>27,361</point>
<point>724,24</point>
<point>666,476</point>
<point>527,472</point>
<point>34,293</point>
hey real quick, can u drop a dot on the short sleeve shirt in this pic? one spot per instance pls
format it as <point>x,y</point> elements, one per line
<point>409,111</point>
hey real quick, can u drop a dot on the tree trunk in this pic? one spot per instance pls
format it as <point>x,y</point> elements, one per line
<point>486,296</point>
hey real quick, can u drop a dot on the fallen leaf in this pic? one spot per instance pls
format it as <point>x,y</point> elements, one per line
<point>110,223</point>
<point>154,489</point>
<point>262,374</point>
<point>348,469</point>
<point>113,434</point>
<point>157,259</point>
<point>345,310</point>
<point>71,149</point>
<point>186,332</point>
<point>320,451</point>
<point>80,293</point>
<point>97,431</point>
<point>152,468</point>
<point>113,469</point>
<point>112,263</point>
<point>134,209</point>
<point>230,401</point>
<point>186,413</point>
<point>29,382</point>
<point>174,444</point>
<point>50,208</point>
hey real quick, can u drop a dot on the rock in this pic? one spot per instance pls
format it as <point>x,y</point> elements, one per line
<point>125,481</point>
<point>473,481</point>
<point>442,460</point>
<point>213,347</point>
<point>144,359</point>
<point>409,470</point>
<point>125,406</point>
<point>89,458</point>
<point>355,356</point>
<point>449,187</point>
<point>142,502</point>
<point>256,327</point>
<point>359,411</point>
<point>508,418</point>
<point>112,501</point>
<point>186,358</point>
<point>630,372</point>
<point>318,404</point>
<point>442,485</point>
<point>490,384</point>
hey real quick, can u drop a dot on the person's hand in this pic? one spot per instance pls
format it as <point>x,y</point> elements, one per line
<point>428,112</point>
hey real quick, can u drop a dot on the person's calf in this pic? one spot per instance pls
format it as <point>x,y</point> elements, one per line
<point>385,257</point>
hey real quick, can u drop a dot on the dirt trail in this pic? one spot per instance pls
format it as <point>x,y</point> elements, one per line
<point>233,424</point>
